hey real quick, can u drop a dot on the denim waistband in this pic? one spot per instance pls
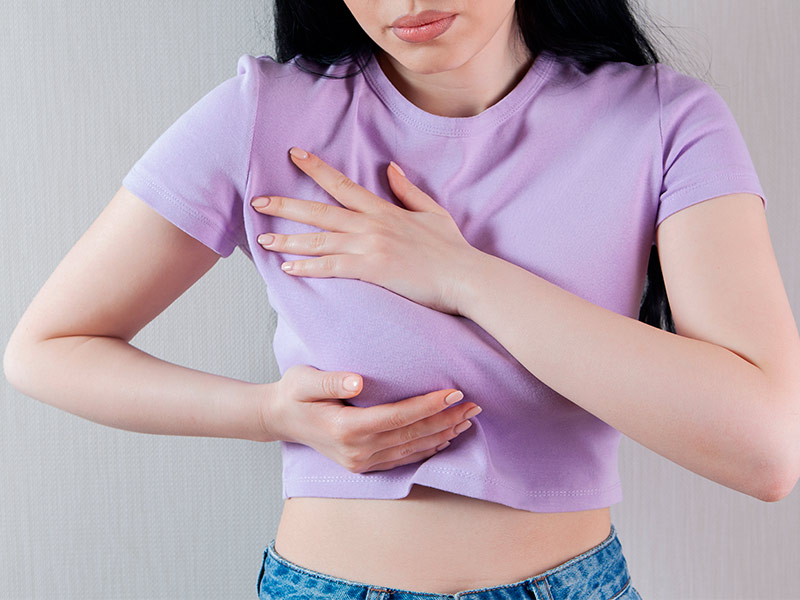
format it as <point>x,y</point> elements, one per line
<point>600,573</point>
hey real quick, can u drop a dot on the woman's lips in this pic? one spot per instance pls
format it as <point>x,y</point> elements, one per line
<point>426,32</point>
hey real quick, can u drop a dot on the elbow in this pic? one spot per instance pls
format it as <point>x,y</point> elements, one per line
<point>16,363</point>
<point>11,365</point>
<point>779,471</point>
<point>777,488</point>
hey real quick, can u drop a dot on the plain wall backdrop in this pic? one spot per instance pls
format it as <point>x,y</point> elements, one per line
<point>88,511</point>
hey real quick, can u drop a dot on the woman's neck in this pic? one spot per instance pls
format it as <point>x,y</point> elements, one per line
<point>467,90</point>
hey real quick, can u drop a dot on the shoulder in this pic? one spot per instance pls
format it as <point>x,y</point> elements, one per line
<point>614,94</point>
<point>295,71</point>
<point>257,70</point>
<point>618,79</point>
<point>265,66</point>
<point>624,80</point>
<point>687,99</point>
<point>282,84</point>
<point>673,83</point>
<point>655,92</point>
<point>626,77</point>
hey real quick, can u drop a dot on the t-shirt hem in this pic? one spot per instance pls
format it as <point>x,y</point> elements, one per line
<point>386,487</point>
<point>179,212</point>
<point>720,185</point>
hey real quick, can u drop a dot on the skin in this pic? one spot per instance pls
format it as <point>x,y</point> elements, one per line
<point>462,72</point>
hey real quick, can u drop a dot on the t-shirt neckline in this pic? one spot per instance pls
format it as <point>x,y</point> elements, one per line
<point>458,126</point>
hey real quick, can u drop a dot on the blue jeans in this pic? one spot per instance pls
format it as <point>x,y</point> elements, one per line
<point>600,573</point>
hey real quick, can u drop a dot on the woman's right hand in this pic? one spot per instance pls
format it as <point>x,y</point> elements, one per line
<point>308,409</point>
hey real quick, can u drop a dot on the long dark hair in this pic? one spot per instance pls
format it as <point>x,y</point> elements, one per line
<point>590,32</point>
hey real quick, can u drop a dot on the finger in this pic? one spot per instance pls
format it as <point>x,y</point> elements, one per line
<point>416,433</point>
<point>409,194</point>
<point>422,444</point>
<point>317,243</point>
<point>394,415</point>
<point>405,461</point>
<point>333,265</point>
<point>319,214</point>
<point>338,185</point>
<point>310,383</point>
<point>385,466</point>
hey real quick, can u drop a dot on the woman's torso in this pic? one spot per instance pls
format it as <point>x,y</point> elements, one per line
<point>432,540</point>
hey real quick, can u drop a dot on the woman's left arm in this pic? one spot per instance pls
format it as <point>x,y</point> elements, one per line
<point>721,398</point>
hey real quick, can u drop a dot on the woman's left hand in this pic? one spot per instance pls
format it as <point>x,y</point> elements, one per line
<point>418,253</point>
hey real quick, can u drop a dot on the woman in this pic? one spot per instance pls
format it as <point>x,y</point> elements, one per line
<point>510,267</point>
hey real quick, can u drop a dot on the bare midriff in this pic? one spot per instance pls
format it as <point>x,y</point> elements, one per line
<point>432,541</point>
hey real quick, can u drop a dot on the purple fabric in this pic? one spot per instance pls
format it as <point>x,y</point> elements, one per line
<point>567,176</point>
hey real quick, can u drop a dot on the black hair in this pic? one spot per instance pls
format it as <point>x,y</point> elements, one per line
<point>589,32</point>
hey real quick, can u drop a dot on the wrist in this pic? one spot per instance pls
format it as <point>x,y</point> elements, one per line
<point>264,397</point>
<point>471,281</point>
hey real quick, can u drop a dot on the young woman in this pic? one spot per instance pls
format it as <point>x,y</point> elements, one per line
<point>549,169</point>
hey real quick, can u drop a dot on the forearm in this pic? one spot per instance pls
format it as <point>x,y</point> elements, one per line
<point>111,382</point>
<point>695,403</point>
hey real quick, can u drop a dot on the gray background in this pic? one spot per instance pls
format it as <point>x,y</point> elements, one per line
<point>88,511</point>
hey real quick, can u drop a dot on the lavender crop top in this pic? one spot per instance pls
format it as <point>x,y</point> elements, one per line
<point>567,176</point>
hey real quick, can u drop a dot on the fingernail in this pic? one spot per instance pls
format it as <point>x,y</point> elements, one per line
<point>351,383</point>
<point>454,397</point>
<point>396,166</point>
<point>265,239</point>
<point>261,202</point>
<point>298,153</point>
<point>472,412</point>
<point>442,446</point>
<point>462,427</point>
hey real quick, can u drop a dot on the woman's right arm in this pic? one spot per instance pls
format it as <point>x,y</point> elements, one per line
<point>71,347</point>
<point>71,350</point>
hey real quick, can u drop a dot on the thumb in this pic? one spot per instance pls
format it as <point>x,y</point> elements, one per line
<point>330,384</point>
<point>409,194</point>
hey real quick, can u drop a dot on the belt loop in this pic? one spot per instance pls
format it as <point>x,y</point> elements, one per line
<point>540,589</point>
<point>377,593</point>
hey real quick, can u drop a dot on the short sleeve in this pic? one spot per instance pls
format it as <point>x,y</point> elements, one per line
<point>704,152</point>
<point>195,173</point>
